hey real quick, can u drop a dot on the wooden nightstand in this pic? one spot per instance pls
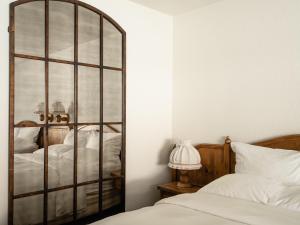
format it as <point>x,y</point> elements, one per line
<point>170,189</point>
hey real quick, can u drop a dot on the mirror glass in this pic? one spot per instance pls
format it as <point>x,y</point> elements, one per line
<point>112,45</point>
<point>60,156</point>
<point>61,93</point>
<point>30,29</point>
<point>24,215</point>
<point>29,90</point>
<point>88,200</point>
<point>112,146</point>
<point>88,94</point>
<point>74,92</point>
<point>111,193</point>
<point>28,160</point>
<point>112,96</point>
<point>61,30</point>
<point>88,153</point>
<point>88,36</point>
<point>60,207</point>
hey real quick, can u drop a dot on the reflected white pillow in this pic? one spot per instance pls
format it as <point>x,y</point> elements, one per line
<point>93,139</point>
<point>282,165</point>
<point>25,139</point>
<point>28,134</point>
<point>81,140</point>
<point>22,146</point>
<point>244,186</point>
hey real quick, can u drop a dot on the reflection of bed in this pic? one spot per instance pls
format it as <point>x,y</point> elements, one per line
<point>264,190</point>
<point>29,176</point>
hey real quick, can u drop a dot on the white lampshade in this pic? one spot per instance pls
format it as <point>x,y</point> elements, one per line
<point>185,157</point>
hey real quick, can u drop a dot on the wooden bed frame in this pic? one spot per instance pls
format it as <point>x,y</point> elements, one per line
<point>218,160</point>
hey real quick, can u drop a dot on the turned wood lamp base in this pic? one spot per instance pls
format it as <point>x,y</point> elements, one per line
<point>184,180</point>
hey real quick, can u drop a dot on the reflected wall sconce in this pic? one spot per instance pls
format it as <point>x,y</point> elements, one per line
<point>59,112</point>
<point>41,112</point>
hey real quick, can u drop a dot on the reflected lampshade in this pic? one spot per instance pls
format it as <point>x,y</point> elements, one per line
<point>58,107</point>
<point>185,157</point>
<point>40,108</point>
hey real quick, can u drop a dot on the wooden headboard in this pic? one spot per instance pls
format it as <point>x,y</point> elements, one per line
<point>219,160</point>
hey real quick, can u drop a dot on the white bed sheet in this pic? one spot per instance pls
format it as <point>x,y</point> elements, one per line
<point>205,209</point>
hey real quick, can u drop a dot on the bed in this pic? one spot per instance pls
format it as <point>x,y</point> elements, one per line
<point>255,184</point>
<point>29,162</point>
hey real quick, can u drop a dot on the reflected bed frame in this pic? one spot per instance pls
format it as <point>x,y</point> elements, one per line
<point>219,159</point>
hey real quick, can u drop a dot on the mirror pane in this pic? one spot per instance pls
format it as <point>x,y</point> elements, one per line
<point>30,28</point>
<point>112,146</point>
<point>60,207</point>
<point>60,156</point>
<point>61,93</point>
<point>112,96</point>
<point>61,30</point>
<point>29,90</point>
<point>24,215</point>
<point>88,94</point>
<point>88,153</point>
<point>88,36</point>
<point>28,160</point>
<point>87,200</point>
<point>111,193</point>
<point>112,45</point>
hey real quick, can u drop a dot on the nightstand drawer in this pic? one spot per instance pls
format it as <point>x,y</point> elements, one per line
<point>170,189</point>
<point>165,194</point>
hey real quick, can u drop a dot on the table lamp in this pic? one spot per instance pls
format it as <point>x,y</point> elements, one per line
<point>184,157</point>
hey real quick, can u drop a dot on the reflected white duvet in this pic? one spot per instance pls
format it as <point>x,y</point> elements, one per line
<point>203,208</point>
<point>29,176</point>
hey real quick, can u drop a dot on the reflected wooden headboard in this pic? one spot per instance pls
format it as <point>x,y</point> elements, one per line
<point>219,160</point>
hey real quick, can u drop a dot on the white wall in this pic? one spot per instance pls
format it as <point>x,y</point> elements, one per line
<point>149,98</point>
<point>237,71</point>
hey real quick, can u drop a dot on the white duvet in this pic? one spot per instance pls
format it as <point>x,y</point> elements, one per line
<point>203,208</point>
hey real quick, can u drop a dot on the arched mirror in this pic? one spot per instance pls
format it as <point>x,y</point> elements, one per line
<point>67,113</point>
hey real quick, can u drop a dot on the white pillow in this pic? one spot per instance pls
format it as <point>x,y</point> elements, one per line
<point>82,138</point>
<point>280,164</point>
<point>244,186</point>
<point>288,198</point>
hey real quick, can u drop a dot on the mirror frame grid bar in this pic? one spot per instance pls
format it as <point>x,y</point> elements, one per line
<point>76,110</point>
<point>45,209</point>
<point>100,208</point>
<point>34,193</point>
<point>23,56</point>
<point>65,187</point>
<point>11,113</point>
<point>69,124</point>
